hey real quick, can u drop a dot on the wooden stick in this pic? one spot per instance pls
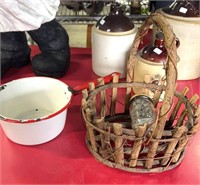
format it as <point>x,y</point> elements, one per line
<point>171,146</point>
<point>181,118</point>
<point>119,155</point>
<point>185,111</point>
<point>114,96</point>
<point>107,136</point>
<point>183,143</point>
<point>88,115</point>
<point>108,140</point>
<point>197,114</point>
<point>85,93</point>
<point>177,107</point>
<point>137,145</point>
<point>102,125</point>
<point>84,104</point>
<point>158,93</point>
<point>151,154</point>
<point>194,98</point>
<point>127,99</point>
<point>103,105</point>
<point>89,131</point>
<point>85,109</point>
<point>93,105</point>
<point>92,138</point>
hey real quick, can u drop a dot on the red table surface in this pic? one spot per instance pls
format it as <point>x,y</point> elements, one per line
<point>66,159</point>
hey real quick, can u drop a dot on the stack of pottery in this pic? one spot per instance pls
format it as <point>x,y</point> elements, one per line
<point>112,38</point>
<point>184,17</point>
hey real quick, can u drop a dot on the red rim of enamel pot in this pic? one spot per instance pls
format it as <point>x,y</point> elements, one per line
<point>74,91</point>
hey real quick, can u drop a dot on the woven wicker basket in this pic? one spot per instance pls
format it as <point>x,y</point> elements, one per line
<point>105,109</point>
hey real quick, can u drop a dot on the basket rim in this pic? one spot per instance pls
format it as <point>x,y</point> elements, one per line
<point>111,85</point>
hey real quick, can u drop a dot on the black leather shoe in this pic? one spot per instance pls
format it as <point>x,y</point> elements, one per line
<point>53,41</point>
<point>15,51</point>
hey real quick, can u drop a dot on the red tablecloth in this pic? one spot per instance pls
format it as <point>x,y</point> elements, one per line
<point>66,159</point>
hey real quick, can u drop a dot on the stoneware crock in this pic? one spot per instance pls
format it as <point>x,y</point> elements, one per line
<point>184,17</point>
<point>112,38</point>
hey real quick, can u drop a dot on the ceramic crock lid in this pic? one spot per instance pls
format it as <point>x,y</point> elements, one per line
<point>115,21</point>
<point>155,52</point>
<point>183,8</point>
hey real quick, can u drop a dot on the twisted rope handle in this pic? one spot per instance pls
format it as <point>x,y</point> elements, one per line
<point>171,70</point>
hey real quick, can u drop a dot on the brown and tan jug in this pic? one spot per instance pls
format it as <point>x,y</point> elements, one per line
<point>184,17</point>
<point>151,62</point>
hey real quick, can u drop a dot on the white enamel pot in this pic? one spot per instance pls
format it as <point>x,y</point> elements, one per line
<point>33,110</point>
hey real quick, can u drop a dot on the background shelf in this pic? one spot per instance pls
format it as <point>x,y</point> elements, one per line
<point>70,16</point>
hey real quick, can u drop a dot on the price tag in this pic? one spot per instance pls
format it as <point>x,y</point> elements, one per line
<point>102,21</point>
<point>157,51</point>
<point>183,10</point>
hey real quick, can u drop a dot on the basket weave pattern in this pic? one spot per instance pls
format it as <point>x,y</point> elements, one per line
<point>105,109</point>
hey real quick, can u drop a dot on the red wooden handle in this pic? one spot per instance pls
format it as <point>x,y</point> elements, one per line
<point>107,79</point>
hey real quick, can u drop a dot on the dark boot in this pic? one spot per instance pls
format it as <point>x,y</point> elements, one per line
<point>15,51</point>
<point>53,41</point>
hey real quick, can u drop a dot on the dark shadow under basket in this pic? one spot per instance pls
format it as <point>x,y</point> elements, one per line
<point>105,109</point>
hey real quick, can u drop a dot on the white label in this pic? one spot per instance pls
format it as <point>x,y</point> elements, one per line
<point>183,10</point>
<point>157,50</point>
<point>102,21</point>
